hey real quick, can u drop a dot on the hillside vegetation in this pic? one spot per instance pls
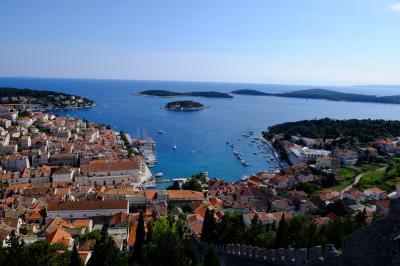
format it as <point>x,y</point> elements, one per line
<point>364,130</point>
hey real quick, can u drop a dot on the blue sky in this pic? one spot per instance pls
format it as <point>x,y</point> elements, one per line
<point>262,41</point>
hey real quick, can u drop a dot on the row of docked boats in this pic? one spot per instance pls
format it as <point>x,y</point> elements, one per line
<point>262,149</point>
<point>239,156</point>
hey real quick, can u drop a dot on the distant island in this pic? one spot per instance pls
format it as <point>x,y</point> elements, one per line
<point>184,106</point>
<point>326,95</point>
<point>41,99</point>
<point>165,93</point>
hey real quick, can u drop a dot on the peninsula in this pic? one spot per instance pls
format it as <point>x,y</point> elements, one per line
<point>326,95</point>
<point>165,93</point>
<point>41,99</point>
<point>184,106</point>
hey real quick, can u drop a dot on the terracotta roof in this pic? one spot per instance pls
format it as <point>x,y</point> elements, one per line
<point>81,223</point>
<point>84,256</point>
<point>132,235</point>
<point>354,192</point>
<point>57,223</point>
<point>383,203</point>
<point>122,191</point>
<point>119,218</point>
<point>59,236</point>
<point>196,228</point>
<point>33,215</point>
<point>150,194</point>
<point>376,190</point>
<point>87,205</point>
<point>110,166</point>
<point>215,201</point>
<point>185,194</point>
<point>329,195</point>
<point>87,245</point>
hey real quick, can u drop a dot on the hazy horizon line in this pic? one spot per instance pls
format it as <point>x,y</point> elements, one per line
<point>211,81</point>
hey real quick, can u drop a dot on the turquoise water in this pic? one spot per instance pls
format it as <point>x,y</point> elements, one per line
<point>204,131</point>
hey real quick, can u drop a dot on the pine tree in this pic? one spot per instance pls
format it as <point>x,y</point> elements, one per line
<point>105,251</point>
<point>360,217</point>
<point>211,258</point>
<point>75,260</point>
<point>14,250</point>
<point>138,253</point>
<point>281,233</point>
<point>209,224</point>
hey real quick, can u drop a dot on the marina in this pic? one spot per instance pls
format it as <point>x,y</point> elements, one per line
<point>263,149</point>
<point>146,147</point>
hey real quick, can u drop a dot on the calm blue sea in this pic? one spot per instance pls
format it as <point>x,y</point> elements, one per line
<point>200,136</point>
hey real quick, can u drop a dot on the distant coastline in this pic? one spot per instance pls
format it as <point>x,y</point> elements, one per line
<point>36,100</point>
<point>170,94</point>
<point>325,95</point>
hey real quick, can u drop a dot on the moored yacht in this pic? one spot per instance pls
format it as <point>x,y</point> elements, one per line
<point>159,174</point>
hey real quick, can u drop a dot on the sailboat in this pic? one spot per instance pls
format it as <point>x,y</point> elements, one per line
<point>174,147</point>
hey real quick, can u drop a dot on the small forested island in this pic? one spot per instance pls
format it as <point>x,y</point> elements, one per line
<point>41,99</point>
<point>326,95</point>
<point>165,93</point>
<point>184,106</point>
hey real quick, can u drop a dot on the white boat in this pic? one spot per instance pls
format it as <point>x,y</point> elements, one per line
<point>161,131</point>
<point>174,147</point>
<point>159,174</point>
<point>244,178</point>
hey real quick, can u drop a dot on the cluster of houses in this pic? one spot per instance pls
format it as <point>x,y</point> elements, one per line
<point>33,103</point>
<point>62,212</point>
<point>307,150</point>
<point>42,148</point>
<point>61,168</point>
<point>269,196</point>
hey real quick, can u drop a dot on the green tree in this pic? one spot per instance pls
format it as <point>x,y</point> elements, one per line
<point>105,251</point>
<point>174,186</point>
<point>14,251</point>
<point>209,226</point>
<point>281,233</point>
<point>211,258</point>
<point>75,260</point>
<point>138,255</point>
<point>41,253</point>
<point>165,247</point>
<point>360,217</point>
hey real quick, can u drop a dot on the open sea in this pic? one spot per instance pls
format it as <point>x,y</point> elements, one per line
<point>200,136</point>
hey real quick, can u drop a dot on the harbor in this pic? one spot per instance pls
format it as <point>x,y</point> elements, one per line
<point>145,146</point>
<point>247,149</point>
<point>259,148</point>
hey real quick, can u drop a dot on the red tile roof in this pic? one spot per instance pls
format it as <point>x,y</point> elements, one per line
<point>87,205</point>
